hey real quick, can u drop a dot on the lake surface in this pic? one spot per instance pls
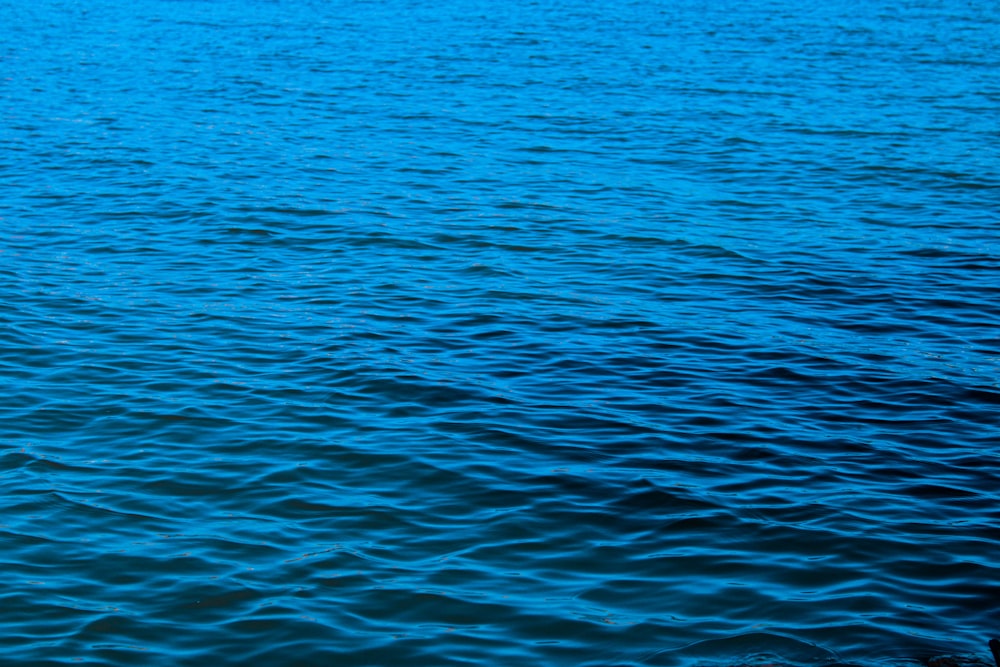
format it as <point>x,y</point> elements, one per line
<point>477,333</point>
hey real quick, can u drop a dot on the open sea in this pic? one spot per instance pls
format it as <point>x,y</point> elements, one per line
<point>534,333</point>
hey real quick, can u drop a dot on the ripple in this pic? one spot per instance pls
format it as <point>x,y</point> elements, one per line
<point>658,334</point>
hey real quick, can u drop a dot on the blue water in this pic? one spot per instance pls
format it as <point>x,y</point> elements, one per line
<point>478,333</point>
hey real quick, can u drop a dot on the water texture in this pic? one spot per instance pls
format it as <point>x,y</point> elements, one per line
<point>477,333</point>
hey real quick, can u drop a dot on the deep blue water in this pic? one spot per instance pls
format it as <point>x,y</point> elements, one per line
<point>478,333</point>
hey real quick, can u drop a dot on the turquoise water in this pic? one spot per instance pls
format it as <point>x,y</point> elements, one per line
<point>466,333</point>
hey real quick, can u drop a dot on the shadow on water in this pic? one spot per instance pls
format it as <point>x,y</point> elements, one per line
<point>756,648</point>
<point>766,649</point>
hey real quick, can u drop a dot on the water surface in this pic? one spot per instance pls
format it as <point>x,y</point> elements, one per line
<point>451,333</point>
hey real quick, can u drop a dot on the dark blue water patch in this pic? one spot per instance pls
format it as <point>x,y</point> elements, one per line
<point>384,333</point>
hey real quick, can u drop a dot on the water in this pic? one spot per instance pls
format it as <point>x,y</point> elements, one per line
<point>451,333</point>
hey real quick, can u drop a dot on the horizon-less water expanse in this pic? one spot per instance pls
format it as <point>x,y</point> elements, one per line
<point>476,333</point>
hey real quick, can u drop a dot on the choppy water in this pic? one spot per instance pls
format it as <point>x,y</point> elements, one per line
<point>451,333</point>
